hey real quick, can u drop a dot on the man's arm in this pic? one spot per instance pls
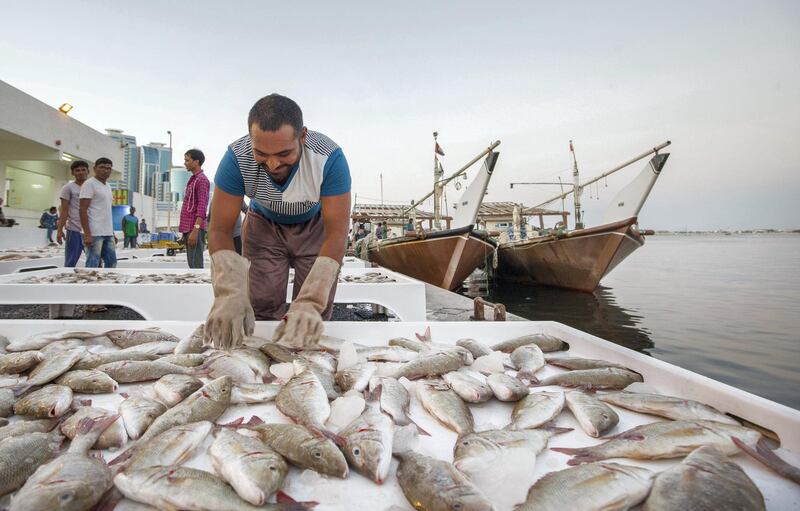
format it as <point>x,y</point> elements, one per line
<point>84,211</point>
<point>63,217</point>
<point>336,217</point>
<point>224,210</point>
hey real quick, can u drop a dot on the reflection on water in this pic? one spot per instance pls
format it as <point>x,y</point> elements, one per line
<point>723,306</point>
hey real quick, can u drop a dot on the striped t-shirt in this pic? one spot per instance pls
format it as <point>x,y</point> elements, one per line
<point>321,171</point>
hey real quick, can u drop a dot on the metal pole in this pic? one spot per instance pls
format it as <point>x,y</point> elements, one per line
<point>381,188</point>
<point>437,186</point>
<point>576,188</point>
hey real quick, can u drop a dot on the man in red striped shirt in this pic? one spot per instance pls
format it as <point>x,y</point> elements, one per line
<point>195,208</point>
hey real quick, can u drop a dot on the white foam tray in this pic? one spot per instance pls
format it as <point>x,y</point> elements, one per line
<point>57,260</point>
<point>358,493</point>
<point>179,261</point>
<point>191,302</point>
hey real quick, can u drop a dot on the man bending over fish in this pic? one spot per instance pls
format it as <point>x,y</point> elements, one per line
<point>298,182</point>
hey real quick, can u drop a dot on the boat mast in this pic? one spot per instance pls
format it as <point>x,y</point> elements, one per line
<point>577,188</point>
<point>438,172</point>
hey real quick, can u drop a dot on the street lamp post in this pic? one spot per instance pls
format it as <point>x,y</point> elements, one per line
<point>169,171</point>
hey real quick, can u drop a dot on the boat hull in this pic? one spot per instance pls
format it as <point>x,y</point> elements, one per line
<point>444,259</point>
<point>578,260</point>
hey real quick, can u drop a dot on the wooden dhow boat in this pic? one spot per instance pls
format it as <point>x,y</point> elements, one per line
<point>443,257</point>
<point>579,259</point>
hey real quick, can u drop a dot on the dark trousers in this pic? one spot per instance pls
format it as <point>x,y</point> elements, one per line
<point>237,244</point>
<point>194,254</point>
<point>73,248</point>
<point>272,248</point>
<point>130,241</point>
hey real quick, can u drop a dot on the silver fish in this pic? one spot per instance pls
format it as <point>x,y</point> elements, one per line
<point>527,359</point>
<point>277,352</point>
<point>387,354</point>
<point>128,338</point>
<point>88,381</point>
<point>659,440</point>
<point>597,486</point>
<point>113,436</point>
<point>545,342</point>
<point>256,360</point>
<point>254,392</point>
<point>325,377</point>
<point>223,363</point>
<point>704,480</point>
<point>304,448</point>
<point>506,388</point>
<point>93,360</point>
<point>249,465</point>
<point>468,388</point>
<point>368,441</point>
<point>320,358</point>
<point>7,400</point>
<point>21,428</point>
<point>184,359</point>
<point>409,344</point>
<point>605,378</point>
<point>477,349</point>
<point>15,363</point>
<point>207,403</point>
<point>477,452</point>
<point>138,413</point>
<point>535,409</point>
<point>666,406</point>
<point>20,455</point>
<point>152,348</point>
<point>432,484</point>
<point>52,367</point>
<point>130,371</point>
<point>576,363</point>
<point>171,389</point>
<point>304,400</point>
<point>445,405</point>
<point>356,377</point>
<point>193,343</point>
<point>170,447</point>
<point>40,340</point>
<point>433,364</point>
<point>47,402</point>
<point>594,416</point>
<point>394,398</point>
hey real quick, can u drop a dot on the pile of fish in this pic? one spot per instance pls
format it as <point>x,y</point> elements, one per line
<point>87,276</point>
<point>372,277</point>
<point>350,410</point>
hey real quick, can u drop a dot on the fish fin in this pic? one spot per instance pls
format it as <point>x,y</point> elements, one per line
<point>268,378</point>
<point>21,389</point>
<point>419,429</point>
<point>533,381</point>
<point>125,456</point>
<point>292,505</point>
<point>235,423</point>
<point>255,421</point>
<point>767,456</point>
<point>579,455</point>
<point>556,430</point>
<point>109,500</point>
<point>330,435</point>
<point>426,337</point>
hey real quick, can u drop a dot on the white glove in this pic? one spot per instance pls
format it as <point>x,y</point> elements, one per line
<point>231,317</point>
<point>301,327</point>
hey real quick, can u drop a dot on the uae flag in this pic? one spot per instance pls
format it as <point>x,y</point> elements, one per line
<point>439,149</point>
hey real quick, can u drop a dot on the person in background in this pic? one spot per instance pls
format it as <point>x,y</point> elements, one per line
<point>5,222</point>
<point>95,212</point>
<point>361,233</point>
<point>143,227</point>
<point>130,228</point>
<point>409,226</point>
<point>70,215</point>
<point>385,231</point>
<point>49,221</point>
<point>379,231</point>
<point>195,207</point>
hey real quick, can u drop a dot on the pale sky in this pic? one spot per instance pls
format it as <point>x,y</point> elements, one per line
<point>721,80</point>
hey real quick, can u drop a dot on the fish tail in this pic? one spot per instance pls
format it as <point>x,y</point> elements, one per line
<point>419,429</point>
<point>533,381</point>
<point>289,504</point>
<point>765,455</point>
<point>19,390</point>
<point>235,423</point>
<point>426,337</point>
<point>579,455</point>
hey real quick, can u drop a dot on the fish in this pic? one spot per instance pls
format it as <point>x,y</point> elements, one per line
<point>46,402</point>
<point>605,378</point>
<point>704,480</point>
<point>576,363</point>
<point>193,343</point>
<point>131,371</point>
<point>52,367</point>
<point>507,388</point>
<point>7,400</point>
<point>763,453</point>
<point>170,447</point>
<point>172,388</point>
<point>468,388</point>
<point>152,348</point>
<point>91,360</point>
<point>25,427</point>
<point>127,338</point>
<point>40,340</point>
<point>368,440</point>
<point>321,358</point>
<point>475,452</point>
<point>21,455</point>
<point>593,486</point>
<point>325,376</point>
<point>113,436</point>
<point>184,359</point>
<point>432,484</point>
<point>88,381</point>
<point>546,343</point>
<point>174,487</point>
<point>535,409</point>
<point>223,363</point>
<point>356,377</point>
<point>434,364</point>
<point>660,440</point>
<point>445,405</point>
<point>594,416</point>
<point>138,412</point>
<point>394,400</point>
<point>527,359</point>
<point>206,403</point>
<point>387,354</point>
<point>256,360</point>
<point>477,349</point>
<point>276,352</point>
<point>304,400</point>
<point>16,363</point>
<point>669,407</point>
<point>409,344</point>
<point>254,392</point>
<point>304,448</point>
<point>249,465</point>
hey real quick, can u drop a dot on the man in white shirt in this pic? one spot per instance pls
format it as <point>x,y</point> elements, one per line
<point>95,211</point>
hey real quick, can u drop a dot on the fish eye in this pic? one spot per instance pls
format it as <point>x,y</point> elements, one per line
<point>273,468</point>
<point>605,416</point>
<point>356,452</point>
<point>456,507</point>
<point>465,443</point>
<point>317,454</point>
<point>65,497</point>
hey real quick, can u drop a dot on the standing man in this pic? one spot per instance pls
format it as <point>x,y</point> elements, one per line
<point>130,228</point>
<point>298,182</point>
<point>95,211</point>
<point>195,207</point>
<point>70,216</point>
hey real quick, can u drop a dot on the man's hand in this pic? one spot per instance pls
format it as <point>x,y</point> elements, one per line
<point>87,239</point>
<point>302,325</point>
<point>60,236</point>
<point>231,317</point>
<point>192,241</point>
